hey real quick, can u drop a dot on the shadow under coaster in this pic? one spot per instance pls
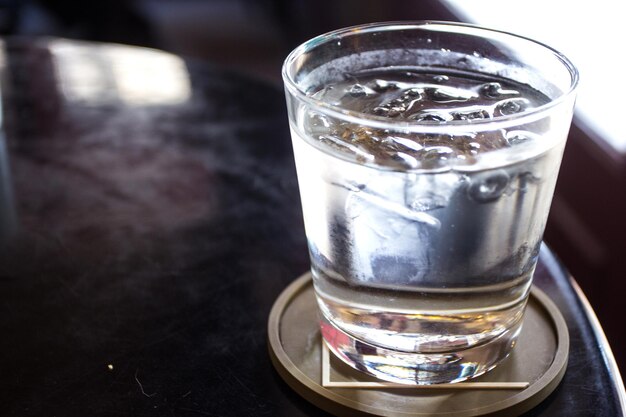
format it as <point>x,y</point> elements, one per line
<point>532,371</point>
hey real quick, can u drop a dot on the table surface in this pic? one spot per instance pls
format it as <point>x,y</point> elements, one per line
<point>149,217</point>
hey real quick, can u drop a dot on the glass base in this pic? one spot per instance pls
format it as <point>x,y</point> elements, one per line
<point>418,368</point>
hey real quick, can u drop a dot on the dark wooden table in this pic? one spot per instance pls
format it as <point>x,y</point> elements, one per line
<point>149,217</point>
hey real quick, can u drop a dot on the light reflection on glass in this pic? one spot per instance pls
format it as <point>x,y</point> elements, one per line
<point>94,74</point>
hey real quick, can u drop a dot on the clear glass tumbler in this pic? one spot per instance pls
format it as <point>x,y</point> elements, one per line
<point>427,155</point>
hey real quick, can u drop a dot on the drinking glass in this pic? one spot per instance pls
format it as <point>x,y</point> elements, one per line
<point>427,155</point>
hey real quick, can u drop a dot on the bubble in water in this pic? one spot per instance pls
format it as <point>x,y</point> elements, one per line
<point>488,186</point>
<point>511,106</point>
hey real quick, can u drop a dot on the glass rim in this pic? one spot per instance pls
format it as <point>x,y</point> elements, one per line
<point>380,122</point>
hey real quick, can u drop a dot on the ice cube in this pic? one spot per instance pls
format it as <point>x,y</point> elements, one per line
<point>434,157</point>
<point>341,145</point>
<point>405,160</point>
<point>395,111</point>
<point>383,85</point>
<point>510,106</point>
<point>518,137</point>
<point>490,140</point>
<point>471,114</point>
<point>403,142</point>
<point>432,116</point>
<point>318,123</point>
<point>426,193</point>
<point>379,202</point>
<point>491,90</point>
<point>358,90</point>
<point>381,111</point>
<point>495,90</point>
<point>447,94</point>
<point>413,92</point>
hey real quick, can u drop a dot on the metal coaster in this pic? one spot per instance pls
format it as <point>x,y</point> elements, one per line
<point>532,371</point>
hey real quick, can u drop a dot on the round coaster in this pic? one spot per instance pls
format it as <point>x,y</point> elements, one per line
<point>532,371</point>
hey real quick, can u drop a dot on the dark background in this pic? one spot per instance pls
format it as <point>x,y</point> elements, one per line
<point>587,229</point>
